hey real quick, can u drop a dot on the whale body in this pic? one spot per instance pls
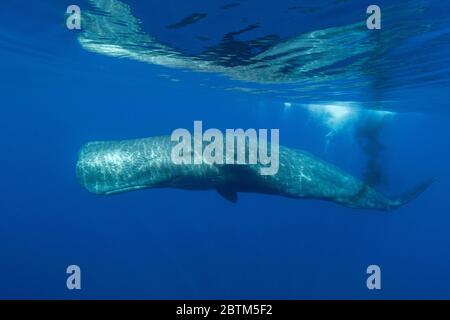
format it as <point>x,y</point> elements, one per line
<point>111,167</point>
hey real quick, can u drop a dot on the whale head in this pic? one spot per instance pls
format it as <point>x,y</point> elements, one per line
<point>114,167</point>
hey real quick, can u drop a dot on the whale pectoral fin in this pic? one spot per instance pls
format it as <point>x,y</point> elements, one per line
<point>228,193</point>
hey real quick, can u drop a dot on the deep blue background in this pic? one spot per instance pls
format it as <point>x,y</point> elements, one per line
<point>178,244</point>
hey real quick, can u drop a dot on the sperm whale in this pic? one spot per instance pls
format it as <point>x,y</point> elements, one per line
<point>111,167</point>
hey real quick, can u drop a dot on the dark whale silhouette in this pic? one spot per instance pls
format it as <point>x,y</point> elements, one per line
<point>119,166</point>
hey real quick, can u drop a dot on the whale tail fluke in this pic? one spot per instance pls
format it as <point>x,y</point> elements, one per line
<point>410,194</point>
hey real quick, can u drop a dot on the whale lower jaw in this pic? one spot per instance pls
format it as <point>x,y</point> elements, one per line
<point>117,191</point>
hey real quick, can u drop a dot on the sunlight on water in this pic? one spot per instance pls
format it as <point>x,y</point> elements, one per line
<point>333,115</point>
<point>339,114</point>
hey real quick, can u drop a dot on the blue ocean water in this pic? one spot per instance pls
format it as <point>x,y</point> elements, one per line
<point>310,68</point>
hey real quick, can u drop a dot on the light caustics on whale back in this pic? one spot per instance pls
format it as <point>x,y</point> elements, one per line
<point>332,62</point>
<point>112,167</point>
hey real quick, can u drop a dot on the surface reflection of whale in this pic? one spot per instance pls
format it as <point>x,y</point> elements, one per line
<point>120,166</point>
